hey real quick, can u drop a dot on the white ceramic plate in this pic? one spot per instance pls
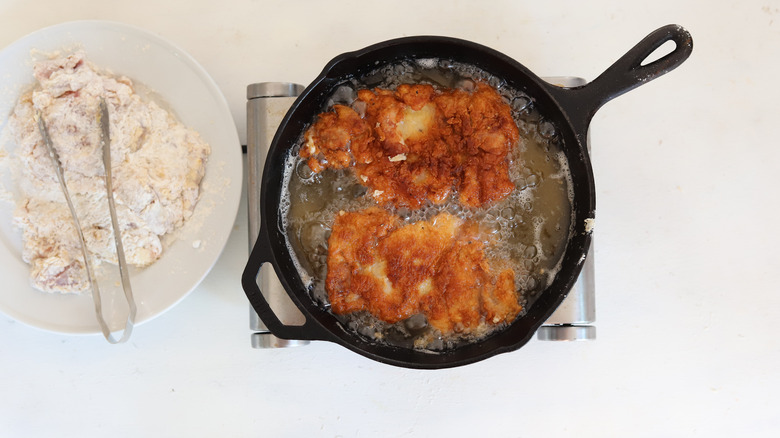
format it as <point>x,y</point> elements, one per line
<point>181,83</point>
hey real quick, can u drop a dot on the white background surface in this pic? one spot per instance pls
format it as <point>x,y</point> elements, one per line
<point>686,256</point>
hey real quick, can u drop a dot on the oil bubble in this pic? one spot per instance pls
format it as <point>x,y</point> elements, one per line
<point>546,129</point>
<point>358,191</point>
<point>507,213</point>
<point>344,95</point>
<point>404,213</point>
<point>520,103</point>
<point>466,85</point>
<point>303,171</point>
<point>416,323</point>
<point>313,235</point>
<point>496,82</point>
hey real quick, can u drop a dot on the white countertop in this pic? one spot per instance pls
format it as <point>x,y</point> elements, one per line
<point>686,170</point>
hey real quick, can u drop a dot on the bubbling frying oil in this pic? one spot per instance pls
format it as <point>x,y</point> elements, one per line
<point>529,228</point>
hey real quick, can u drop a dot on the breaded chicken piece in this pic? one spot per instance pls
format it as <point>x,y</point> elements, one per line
<point>436,267</point>
<point>471,292</point>
<point>157,164</point>
<point>418,144</point>
<point>355,273</point>
<point>483,124</point>
<point>337,132</point>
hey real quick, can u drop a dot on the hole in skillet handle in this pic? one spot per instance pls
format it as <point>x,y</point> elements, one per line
<point>627,73</point>
<point>662,50</point>
<point>261,254</point>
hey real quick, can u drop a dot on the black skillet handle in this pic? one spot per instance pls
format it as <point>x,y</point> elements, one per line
<point>261,254</point>
<point>625,74</point>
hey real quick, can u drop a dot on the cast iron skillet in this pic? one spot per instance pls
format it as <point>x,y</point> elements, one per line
<point>570,110</point>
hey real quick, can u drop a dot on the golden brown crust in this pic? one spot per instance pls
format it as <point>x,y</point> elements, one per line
<point>335,133</point>
<point>435,267</point>
<point>418,144</point>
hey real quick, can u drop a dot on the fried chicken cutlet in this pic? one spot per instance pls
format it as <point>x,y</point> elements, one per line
<point>418,144</point>
<point>435,267</point>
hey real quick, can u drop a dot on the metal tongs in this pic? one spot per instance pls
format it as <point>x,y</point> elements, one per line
<point>105,141</point>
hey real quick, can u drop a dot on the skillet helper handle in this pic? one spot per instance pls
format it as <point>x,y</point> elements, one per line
<point>261,254</point>
<point>626,73</point>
